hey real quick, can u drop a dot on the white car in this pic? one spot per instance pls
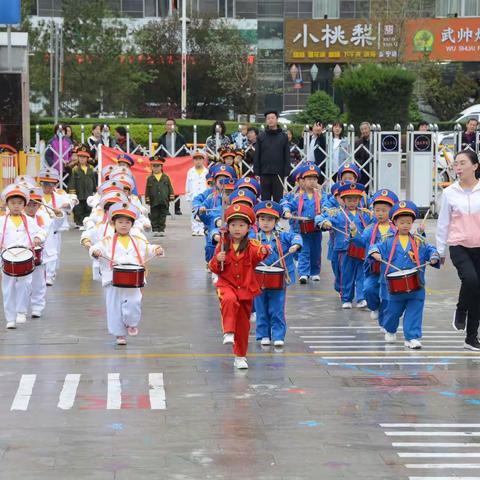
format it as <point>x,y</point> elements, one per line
<point>468,113</point>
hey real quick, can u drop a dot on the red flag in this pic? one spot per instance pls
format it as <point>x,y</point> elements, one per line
<point>176,168</point>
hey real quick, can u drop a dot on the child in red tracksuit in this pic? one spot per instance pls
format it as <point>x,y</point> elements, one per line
<point>234,262</point>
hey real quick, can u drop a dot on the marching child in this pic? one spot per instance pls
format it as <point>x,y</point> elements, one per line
<point>308,204</point>
<point>158,194</point>
<point>196,184</point>
<point>382,228</point>
<point>234,262</point>
<point>123,304</point>
<point>49,221</point>
<point>346,222</point>
<point>17,230</point>
<point>82,183</point>
<point>270,305</point>
<point>405,251</point>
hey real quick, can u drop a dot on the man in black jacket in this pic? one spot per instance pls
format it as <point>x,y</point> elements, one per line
<point>271,163</point>
<point>173,146</point>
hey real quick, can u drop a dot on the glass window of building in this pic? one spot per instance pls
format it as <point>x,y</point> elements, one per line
<point>461,8</point>
<point>226,8</point>
<point>49,8</point>
<point>354,8</point>
<point>326,8</point>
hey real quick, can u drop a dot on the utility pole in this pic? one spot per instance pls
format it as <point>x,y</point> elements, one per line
<point>183,103</point>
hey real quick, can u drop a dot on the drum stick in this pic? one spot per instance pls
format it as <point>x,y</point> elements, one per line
<point>296,217</point>
<point>425,217</point>
<point>44,204</point>
<point>391,264</point>
<point>152,257</point>
<point>280,259</point>
<point>423,265</point>
<point>341,231</point>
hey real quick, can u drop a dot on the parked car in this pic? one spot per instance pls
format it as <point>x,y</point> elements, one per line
<point>467,114</point>
<point>288,116</point>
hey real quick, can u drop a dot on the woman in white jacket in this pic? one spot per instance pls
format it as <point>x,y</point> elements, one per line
<point>195,184</point>
<point>458,228</point>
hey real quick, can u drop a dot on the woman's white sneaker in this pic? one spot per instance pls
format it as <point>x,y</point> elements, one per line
<point>240,363</point>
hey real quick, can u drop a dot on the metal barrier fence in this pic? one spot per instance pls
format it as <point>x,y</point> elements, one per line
<point>374,155</point>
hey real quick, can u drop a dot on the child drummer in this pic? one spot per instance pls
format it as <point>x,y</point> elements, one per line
<point>405,251</point>
<point>270,305</point>
<point>234,262</point>
<point>49,220</point>
<point>347,222</point>
<point>308,205</point>
<point>17,230</point>
<point>123,304</point>
<point>381,203</point>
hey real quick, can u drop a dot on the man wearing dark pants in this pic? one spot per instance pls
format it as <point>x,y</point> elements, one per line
<point>271,163</point>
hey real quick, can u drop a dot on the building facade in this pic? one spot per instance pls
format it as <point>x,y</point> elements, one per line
<point>284,83</point>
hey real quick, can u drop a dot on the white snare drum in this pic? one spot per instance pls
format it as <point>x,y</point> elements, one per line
<point>18,261</point>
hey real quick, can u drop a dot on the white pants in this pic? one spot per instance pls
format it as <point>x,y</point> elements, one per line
<point>59,249</point>
<point>39,289</point>
<point>50,269</point>
<point>197,227</point>
<point>16,295</point>
<point>96,275</point>
<point>124,308</point>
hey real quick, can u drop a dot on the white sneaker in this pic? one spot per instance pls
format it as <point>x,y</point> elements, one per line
<point>82,229</point>
<point>240,363</point>
<point>36,314</point>
<point>383,330</point>
<point>362,304</point>
<point>413,344</point>
<point>303,279</point>
<point>228,338</point>
<point>374,314</point>
<point>21,318</point>
<point>253,317</point>
<point>315,278</point>
<point>265,342</point>
<point>11,325</point>
<point>278,343</point>
<point>347,305</point>
<point>390,337</point>
<point>49,282</point>
<point>214,278</point>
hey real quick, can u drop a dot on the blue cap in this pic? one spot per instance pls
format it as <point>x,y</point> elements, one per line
<point>336,186</point>
<point>311,170</point>
<point>405,207</point>
<point>350,189</point>
<point>220,169</point>
<point>386,196</point>
<point>125,157</point>
<point>243,195</point>
<point>269,208</point>
<point>228,183</point>
<point>348,167</point>
<point>249,182</point>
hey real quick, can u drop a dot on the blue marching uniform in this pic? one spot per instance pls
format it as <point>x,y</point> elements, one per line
<point>309,258</point>
<point>270,304</point>
<point>410,305</point>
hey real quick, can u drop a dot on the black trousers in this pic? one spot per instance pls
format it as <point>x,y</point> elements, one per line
<point>81,211</point>
<point>158,217</point>
<point>272,188</point>
<point>467,263</point>
<point>177,205</point>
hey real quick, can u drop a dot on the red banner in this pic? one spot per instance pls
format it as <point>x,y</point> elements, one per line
<point>176,168</point>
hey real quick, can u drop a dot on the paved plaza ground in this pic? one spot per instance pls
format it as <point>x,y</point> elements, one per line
<point>335,403</point>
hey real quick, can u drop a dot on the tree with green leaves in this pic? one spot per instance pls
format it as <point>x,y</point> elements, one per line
<point>319,106</point>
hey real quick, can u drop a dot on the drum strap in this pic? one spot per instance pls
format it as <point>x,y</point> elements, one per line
<point>114,246</point>
<point>394,247</point>
<point>105,229</point>
<point>39,220</point>
<point>54,202</point>
<point>25,224</point>
<point>24,220</point>
<point>374,235</point>
<point>316,199</point>
<point>283,263</point>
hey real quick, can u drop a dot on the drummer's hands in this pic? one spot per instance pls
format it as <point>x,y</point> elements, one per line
<point>37,242</point>
<point>353,228</point>
<point>326,225</point>
<point>216,237</point>
<point>159,252</point>
<point>434,259</point>
<point>87,244</point>
<point>288,215</point>
<point>202,210</point>
<point>293,248</point>
<point>421,229</point>
<point>65,205</point>
<point>57,212</point>
<point>221,256</point>
<point>96,253</point>
<point>377,257</point>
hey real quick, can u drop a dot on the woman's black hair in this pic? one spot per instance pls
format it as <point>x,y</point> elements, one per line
<point>222,126</point>
<point>473,157</point>
<point>339,124</point>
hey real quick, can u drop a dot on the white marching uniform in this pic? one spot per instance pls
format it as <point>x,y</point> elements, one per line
<point>123,304</point>
<point>97,233</point>
<point>17,290</point>
<point>56,200</point>
<point>195,184</point>
<point>49,254</point>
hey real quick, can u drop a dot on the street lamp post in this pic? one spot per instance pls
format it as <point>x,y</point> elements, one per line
<point>184,60</point>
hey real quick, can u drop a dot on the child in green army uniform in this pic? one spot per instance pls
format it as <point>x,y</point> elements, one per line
<point>83,184</point>
<point>158,194</point>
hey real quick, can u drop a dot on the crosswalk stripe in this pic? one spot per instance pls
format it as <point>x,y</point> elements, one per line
<point>376,341</point>
<point>430,425</point>
<point>24,392</point>
<point>444,466</point>
<point>432,434</point>
<point>69,391</point>
<point>435,445</point>
<point>425,347</point>
<point>444,478</point>
<point>397,357</point>
<point>389,363</point>
<point>157,391</point>
<point>114,392</point>
<point>438,455</point>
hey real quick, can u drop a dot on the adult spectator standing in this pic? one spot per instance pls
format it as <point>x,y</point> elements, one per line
<point>295,156</point>
<point>59,149</point>
<point>271,162</point>
<point>458,227</point>
<point>240,138</point>
<point>469,136</point>
<point>223,140</point>
<point>173,144</point>
<point>363,153</point>
<point>95,139</point>
<point>252,134</point>
<point>341,148</point>
<point>317,147</point>
<point>121,140</point>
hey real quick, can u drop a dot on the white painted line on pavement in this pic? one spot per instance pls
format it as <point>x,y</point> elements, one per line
<point>390,363</point>
<point>389,357</point>
<point>432,434</point>
<point>431,425</point>
<point>444,478</point>
<point>69,391</point>
<point>114,392</point>
<point>444,466</point>
<point>376,341</point>
<point>438,455</point>
<point>436,444</point>
<point>157,391</point>
<point>24,392</point>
